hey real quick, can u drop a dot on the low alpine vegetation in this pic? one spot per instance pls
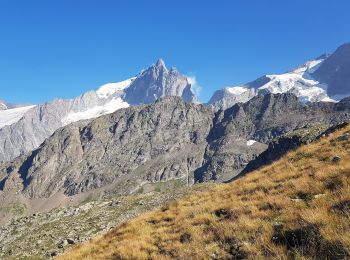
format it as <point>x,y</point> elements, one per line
<point>296,208</point>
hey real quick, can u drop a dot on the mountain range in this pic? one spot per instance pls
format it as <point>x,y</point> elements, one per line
<point>150,128</point>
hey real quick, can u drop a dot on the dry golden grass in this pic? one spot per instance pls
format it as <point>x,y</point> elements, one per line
<point>296,208</point>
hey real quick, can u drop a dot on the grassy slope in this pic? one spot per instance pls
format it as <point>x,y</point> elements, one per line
<point>298,207</point>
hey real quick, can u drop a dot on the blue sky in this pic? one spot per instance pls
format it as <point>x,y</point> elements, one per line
<point>63,48</point>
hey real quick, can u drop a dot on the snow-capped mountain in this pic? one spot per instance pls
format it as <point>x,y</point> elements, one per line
<point>25,128</point>
<point>298,81</point>
<point>106,99</point>
<point>158,82</point>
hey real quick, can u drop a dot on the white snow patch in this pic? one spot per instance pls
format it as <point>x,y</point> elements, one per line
<point>250,142</point>
<point>111,88</point>
<point>11,116</point>
<point>110,107</point>
<point>236,90</point>
<point>310,66</point>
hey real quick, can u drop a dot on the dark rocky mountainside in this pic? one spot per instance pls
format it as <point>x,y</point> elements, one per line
<point>261,119</point>
<point>158,142</point>
<point>168,139</point>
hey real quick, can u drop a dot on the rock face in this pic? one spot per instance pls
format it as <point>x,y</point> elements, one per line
<point>261,119</point>
<point>168,139</point>
<point>335,72</point>
<point>158,142</point>
<point>35,125</point>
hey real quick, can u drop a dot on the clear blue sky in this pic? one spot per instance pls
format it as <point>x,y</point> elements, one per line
<point>62,48</point>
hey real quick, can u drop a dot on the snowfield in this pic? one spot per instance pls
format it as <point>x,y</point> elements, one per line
<point>110,107</point>
<point>250,142</point>
<point>11,116</point>
<point>298,81</point>
<point>111,88</point>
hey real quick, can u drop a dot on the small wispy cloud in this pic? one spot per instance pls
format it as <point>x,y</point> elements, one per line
<point>194,85</point>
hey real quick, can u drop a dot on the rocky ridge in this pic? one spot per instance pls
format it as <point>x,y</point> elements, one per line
<point>169,139</point>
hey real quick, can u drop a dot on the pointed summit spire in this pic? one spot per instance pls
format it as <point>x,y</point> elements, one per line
<point>160,63</point>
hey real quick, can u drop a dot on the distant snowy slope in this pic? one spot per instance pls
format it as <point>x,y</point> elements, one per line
<point>96,111</point>
<point>11,116</point>
<point>112,88</point>
<point>105,100</point>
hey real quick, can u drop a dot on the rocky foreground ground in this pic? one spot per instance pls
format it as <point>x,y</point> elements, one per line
<point>45,235</point>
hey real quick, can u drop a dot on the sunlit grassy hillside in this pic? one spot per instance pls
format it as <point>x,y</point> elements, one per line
<point>296,208</point>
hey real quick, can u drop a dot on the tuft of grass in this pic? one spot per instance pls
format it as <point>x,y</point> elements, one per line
<point>296,208</point>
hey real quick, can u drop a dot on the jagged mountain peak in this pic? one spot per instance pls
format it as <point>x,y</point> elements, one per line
<point>160,63</point>
<point>157,81</point>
